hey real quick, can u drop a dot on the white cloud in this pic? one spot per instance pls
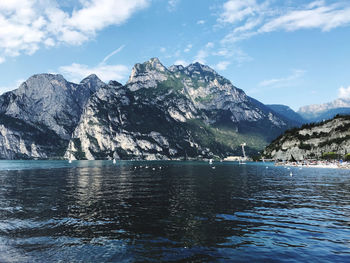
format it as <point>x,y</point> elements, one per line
<point>234,54</point>
<point>209,45</point>
<point>112,54</point>
<point>283,82</point>
<point>98,14</point>
<point>28,25</point>
<point>237,10</point>
<point>76,72</point>
<point>222,65</point>
<point>344,93</point>
<point>322,17</point>
<point>181,62</point>
<point>172,5</point>
<point>203,53</point>
<point>201,56</point>
<point>188,48</point>
<point>162,49</point>
<point>200,22</point>
<point>250,17</point>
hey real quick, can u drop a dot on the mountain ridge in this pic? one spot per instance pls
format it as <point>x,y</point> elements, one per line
<point>319,112</point>
<point>160,113</point>
<point>312,141</point>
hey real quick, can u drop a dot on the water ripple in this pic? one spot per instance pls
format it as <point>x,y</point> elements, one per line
<point>99,212</point>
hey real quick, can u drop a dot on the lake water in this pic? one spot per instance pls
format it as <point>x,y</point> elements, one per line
<point>94,211</point>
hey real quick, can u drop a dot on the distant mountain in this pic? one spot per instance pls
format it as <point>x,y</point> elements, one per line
<point>312,140</point>
<point>319,112</point>
<point>161,113</point>
<point>287,112</point>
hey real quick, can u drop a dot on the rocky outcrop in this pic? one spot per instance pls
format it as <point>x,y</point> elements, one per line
<point>312,140</point>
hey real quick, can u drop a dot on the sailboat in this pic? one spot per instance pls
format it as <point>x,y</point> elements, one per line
<point>70,158</point>
<point>242,160</point>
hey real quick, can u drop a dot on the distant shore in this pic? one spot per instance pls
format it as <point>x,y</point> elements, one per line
<point>317,164</point>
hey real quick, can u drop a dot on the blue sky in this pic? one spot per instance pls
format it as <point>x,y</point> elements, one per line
<point>283,52</point>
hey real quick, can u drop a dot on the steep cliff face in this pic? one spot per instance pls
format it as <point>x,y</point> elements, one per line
<point>171,113</point>
<point>41,115</point>
<point>313,140</point>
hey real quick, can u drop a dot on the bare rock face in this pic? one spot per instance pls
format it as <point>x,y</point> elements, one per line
<point>312,140</point>
<point>169,114</point>
<point>50,105</point>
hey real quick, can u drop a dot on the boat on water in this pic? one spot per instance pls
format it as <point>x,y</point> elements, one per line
<point>243,160</point>
<point>70,159</point>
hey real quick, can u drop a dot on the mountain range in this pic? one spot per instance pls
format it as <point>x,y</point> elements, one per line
<point>320,112</point>
<point>314,113</point>
<point>160,113</point>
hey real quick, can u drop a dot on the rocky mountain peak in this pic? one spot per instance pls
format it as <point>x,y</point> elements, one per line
<point>199,68</point>
<point>51,101</point>
<point>92,82</point>
<point>147,74</point>
<point>90,78</point>
<point>156,64</point>
<point>151,65</point>
<point>40,84</point>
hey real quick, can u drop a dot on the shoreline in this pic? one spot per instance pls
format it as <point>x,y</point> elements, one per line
<point>317,164</point>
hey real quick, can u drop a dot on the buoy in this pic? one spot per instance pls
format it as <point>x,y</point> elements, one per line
<point>291,174</point>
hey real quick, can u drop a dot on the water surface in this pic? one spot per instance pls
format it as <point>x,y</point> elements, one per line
<point>52,211</point>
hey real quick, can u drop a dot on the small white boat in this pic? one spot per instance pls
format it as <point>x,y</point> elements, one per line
<point>210,161</point>
<point>70,158</point>
<point>114,161</point>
